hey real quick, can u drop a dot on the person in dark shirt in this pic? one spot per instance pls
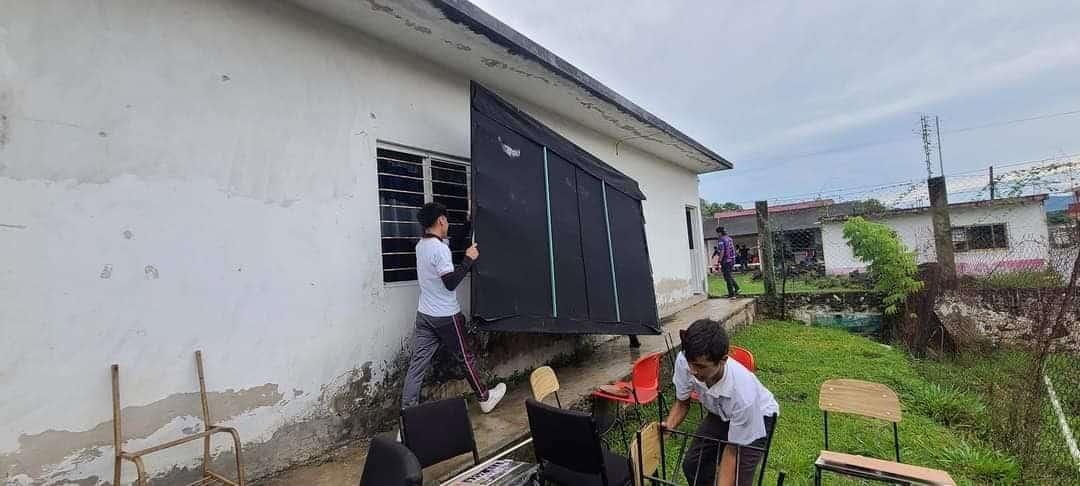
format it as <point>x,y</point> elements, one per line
<point>725,249</point>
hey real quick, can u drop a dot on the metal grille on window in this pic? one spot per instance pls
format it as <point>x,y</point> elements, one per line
<point>450,186</point>
<point>406,182</point>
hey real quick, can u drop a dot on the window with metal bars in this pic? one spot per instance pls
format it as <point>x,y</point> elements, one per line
<point>981,237</point>
<point>407,180</point>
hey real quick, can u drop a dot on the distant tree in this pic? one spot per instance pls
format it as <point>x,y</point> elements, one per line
<point>869,206</point>
<point>1057,218</point>
<point>711,208</point>
<point>892,266</point>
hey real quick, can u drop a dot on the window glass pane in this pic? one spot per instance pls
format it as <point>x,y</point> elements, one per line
<point>401,230</point>
<point>399,156</point>
<point>1000,238</point>
<point>981,237</point>
<point>394,261</point>
<point>392,198</point>
<point>389,166</point>
<point>449,166</point>
<point>398,245</point>
<point>445,189</point>
<point>458,203</point>
<point>398,213</point>
<point>399,275</point>
<point>444,175</point>
<point>398,183</point>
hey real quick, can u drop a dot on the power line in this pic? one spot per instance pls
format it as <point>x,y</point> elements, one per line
<point>886,141</point>
<point>869,188</point>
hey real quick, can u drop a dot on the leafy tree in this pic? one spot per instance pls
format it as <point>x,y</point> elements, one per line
<point>891,265</point>
<point>1057,218</point>
<point>869,206</point>
<point>710,208</point>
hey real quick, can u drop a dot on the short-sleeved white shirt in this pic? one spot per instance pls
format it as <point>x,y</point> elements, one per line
<point>738,398</point>
<point>433,260</point>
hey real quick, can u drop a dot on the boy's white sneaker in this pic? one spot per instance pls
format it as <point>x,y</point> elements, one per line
<point>494,396</point>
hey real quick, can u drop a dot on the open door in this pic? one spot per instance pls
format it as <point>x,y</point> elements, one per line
<point>697,253</point>
<point>561,233</point>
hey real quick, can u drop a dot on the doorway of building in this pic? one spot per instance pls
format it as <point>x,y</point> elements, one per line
<point>697,253</point>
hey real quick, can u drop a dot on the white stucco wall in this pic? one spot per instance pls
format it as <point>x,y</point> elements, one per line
<point>201,175</point>
<point>1025,227</point>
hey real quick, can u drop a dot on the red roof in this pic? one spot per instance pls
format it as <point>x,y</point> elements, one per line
<point>780,208</point>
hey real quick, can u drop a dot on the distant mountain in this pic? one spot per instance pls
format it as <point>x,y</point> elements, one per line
<point>1058,203</point>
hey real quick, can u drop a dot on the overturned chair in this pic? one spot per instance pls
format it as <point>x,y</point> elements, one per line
<point>208,477</point>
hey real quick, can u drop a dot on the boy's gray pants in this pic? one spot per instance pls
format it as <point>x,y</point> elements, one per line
<point>430,334</point>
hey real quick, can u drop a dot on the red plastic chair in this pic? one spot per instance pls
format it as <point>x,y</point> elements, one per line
<point>644,386</point>
<point>737,353</point>
<point>743,356</point>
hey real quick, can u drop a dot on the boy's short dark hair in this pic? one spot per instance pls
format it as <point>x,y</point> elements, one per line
<point>705,338</point>
<point>721,230</point>
<point>429,214</point>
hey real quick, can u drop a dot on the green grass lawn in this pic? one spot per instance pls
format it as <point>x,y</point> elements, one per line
<point>940,429</point>
<point>749,286</point>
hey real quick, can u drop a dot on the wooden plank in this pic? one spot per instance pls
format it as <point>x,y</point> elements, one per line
<point>894,469</point>
<point>859,397</point>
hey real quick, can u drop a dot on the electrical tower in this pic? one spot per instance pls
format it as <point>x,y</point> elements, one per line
<point>924,131</point>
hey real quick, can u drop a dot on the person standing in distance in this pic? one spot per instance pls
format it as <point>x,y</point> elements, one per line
<point>439,321</point>
<point>725,249</point>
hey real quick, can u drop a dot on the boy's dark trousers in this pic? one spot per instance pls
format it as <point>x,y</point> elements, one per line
<point>732,287</point>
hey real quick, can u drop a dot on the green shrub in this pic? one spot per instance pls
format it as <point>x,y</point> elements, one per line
<point>950,407</point>
<point>984,464</point>
<point>1021,279</point>
<point>891,264</point>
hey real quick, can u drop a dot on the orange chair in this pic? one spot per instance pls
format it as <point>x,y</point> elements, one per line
<point>644,386</point>
<point>743,356</point>
<point>740,354</point>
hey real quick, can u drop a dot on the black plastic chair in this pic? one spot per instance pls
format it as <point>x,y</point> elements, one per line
<point>569,451</point>
<point>391,464</point>
<point>439,430</point>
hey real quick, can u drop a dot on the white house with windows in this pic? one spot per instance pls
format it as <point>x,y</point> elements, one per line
<point>988,236</point>
<point>240,177</point>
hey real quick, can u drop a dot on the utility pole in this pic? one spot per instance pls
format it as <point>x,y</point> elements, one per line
<point>992,184</point>
<point>924,131</point>
<point>937,130</point>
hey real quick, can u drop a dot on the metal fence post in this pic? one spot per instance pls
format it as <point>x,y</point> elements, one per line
<point>765,247</point>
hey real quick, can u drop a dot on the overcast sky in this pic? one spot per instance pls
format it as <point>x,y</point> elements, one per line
<point>765,83</point>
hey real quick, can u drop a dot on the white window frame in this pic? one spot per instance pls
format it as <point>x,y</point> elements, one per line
<point>428,156</point>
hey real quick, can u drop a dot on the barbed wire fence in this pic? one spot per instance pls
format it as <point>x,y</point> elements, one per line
<point>1014,235</point>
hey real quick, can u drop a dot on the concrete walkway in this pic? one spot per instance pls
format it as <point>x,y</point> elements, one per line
<point>508,423</point>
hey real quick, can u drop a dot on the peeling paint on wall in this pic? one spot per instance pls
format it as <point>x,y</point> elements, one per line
<point>38,452</point>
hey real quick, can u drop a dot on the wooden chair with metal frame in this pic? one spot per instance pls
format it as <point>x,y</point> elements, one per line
<point>544,383</point>
<point>647,455</point>
<point>208,476</point>
<point>876,401</point>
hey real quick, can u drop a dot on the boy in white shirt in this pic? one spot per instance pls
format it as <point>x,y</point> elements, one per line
<point>740,409</point>
<point>439,321</point>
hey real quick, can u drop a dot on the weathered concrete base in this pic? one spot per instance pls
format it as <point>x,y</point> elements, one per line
<point>802,306</point>
<point>610,361</point>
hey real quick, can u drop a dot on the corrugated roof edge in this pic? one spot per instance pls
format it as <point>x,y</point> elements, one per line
<point>1009,201</point>
<point>473,17</point>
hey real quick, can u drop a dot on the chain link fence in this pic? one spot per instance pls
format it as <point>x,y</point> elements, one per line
<point>1009,321</point>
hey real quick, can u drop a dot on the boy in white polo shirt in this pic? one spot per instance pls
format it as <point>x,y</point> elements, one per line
<point>438,316</point>
<point>740,409</point>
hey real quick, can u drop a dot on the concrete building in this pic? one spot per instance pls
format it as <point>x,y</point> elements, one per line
<point>796,223</point>
<point>204,175</point>
<point>988,236</point>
